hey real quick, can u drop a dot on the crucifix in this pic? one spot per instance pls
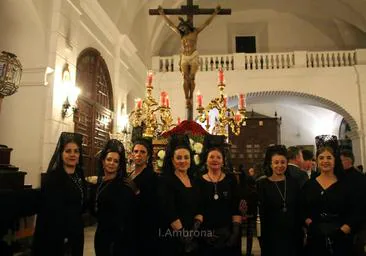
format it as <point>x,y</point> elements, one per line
<point>189,59</point>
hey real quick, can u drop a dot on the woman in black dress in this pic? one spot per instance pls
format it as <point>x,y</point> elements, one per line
<point>145,180</point>
<point>115,204</point>
<point>220,205</point>
<point>278,200</point>
<point>330,209</point>
<point>59,228</point>
<point>179,198</point>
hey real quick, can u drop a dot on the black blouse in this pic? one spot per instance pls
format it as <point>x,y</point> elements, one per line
<point>115,205</point>
<point>337,200</point>
<point>178,201</point>
<point>218,210</point>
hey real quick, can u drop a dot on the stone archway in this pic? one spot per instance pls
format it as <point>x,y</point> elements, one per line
<point>94,118</point>
<point>304,98</point>
<point>354,134</point>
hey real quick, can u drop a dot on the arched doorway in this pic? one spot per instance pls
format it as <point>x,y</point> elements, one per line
<point>94,118</point>
<point>291,101</point>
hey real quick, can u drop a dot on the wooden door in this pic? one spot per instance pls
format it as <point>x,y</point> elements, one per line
<point>94,117</point>
<point>249,147</point>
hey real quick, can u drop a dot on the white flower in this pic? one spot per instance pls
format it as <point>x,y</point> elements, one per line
<point>196,159</point>
<point>92,179</point>
<point>198,148</point>
<point>191,142</point>
<point>160,162</point>
<point>161,154</point>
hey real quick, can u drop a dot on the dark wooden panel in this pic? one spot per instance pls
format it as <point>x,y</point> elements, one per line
<point>83,124</point>
<point>248,148</point>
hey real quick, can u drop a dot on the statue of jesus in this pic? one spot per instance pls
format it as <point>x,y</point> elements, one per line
<point>189,60</point>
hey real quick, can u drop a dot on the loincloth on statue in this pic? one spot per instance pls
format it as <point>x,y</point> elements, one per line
<point>192,59</point>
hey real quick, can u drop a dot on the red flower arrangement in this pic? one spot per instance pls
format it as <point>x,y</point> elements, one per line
<point>187,127</point>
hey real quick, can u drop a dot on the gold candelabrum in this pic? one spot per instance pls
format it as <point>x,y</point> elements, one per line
<point>148,114</point>
<point>226,116</point>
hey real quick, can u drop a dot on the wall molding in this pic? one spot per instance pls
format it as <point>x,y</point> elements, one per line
<point>35,76</point>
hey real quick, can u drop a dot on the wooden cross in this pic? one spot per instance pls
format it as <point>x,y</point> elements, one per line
<point>190,10</point>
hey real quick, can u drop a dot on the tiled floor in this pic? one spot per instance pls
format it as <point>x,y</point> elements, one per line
<point>89,243</point>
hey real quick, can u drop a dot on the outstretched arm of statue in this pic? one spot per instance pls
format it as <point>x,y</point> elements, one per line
<point>167,20</point>
<point>208,21</point>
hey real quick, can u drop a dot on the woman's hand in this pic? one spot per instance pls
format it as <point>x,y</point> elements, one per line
<point>176,225</point>
<point>308,221</point>
<point>345,229</point>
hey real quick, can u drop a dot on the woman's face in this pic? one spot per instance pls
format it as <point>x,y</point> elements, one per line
<point>181,159</point>
<point>111,162</point>
<point>215,160</point>
<point>326,161</point>
<point>139,155</point>
<point>279,164</point>
<point>70,154</point>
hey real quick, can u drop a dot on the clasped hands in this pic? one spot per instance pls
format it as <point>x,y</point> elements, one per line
<point>335,234</point>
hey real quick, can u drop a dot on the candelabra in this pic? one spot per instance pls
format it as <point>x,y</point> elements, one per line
<point>148,114</point>
<point>226,116</point>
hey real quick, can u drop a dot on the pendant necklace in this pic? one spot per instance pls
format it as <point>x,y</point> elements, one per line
<point>216,194</point>
<point>283,196</point>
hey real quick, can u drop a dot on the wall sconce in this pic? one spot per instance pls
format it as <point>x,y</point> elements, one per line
<point>71,91</point>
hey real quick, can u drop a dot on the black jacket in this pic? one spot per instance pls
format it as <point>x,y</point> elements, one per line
<point>60,216</point>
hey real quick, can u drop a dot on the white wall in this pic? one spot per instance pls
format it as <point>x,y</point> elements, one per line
<point>325,82</point>
<point>337,85</point>
<point>300,122</point>
<point>275,32</point>
<point>23,132</point>
<point>22,115</point>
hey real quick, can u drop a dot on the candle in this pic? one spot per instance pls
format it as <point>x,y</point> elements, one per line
<point>178,120</point>
<point>167,101</point>
<point>149,78</point>
<point>199,99</point>
<point>221,76</point>
<point>225,101</point>
<point>237,116</point>
<point>138,103</point>
<point>163,96</point>
<point>241,101</point>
